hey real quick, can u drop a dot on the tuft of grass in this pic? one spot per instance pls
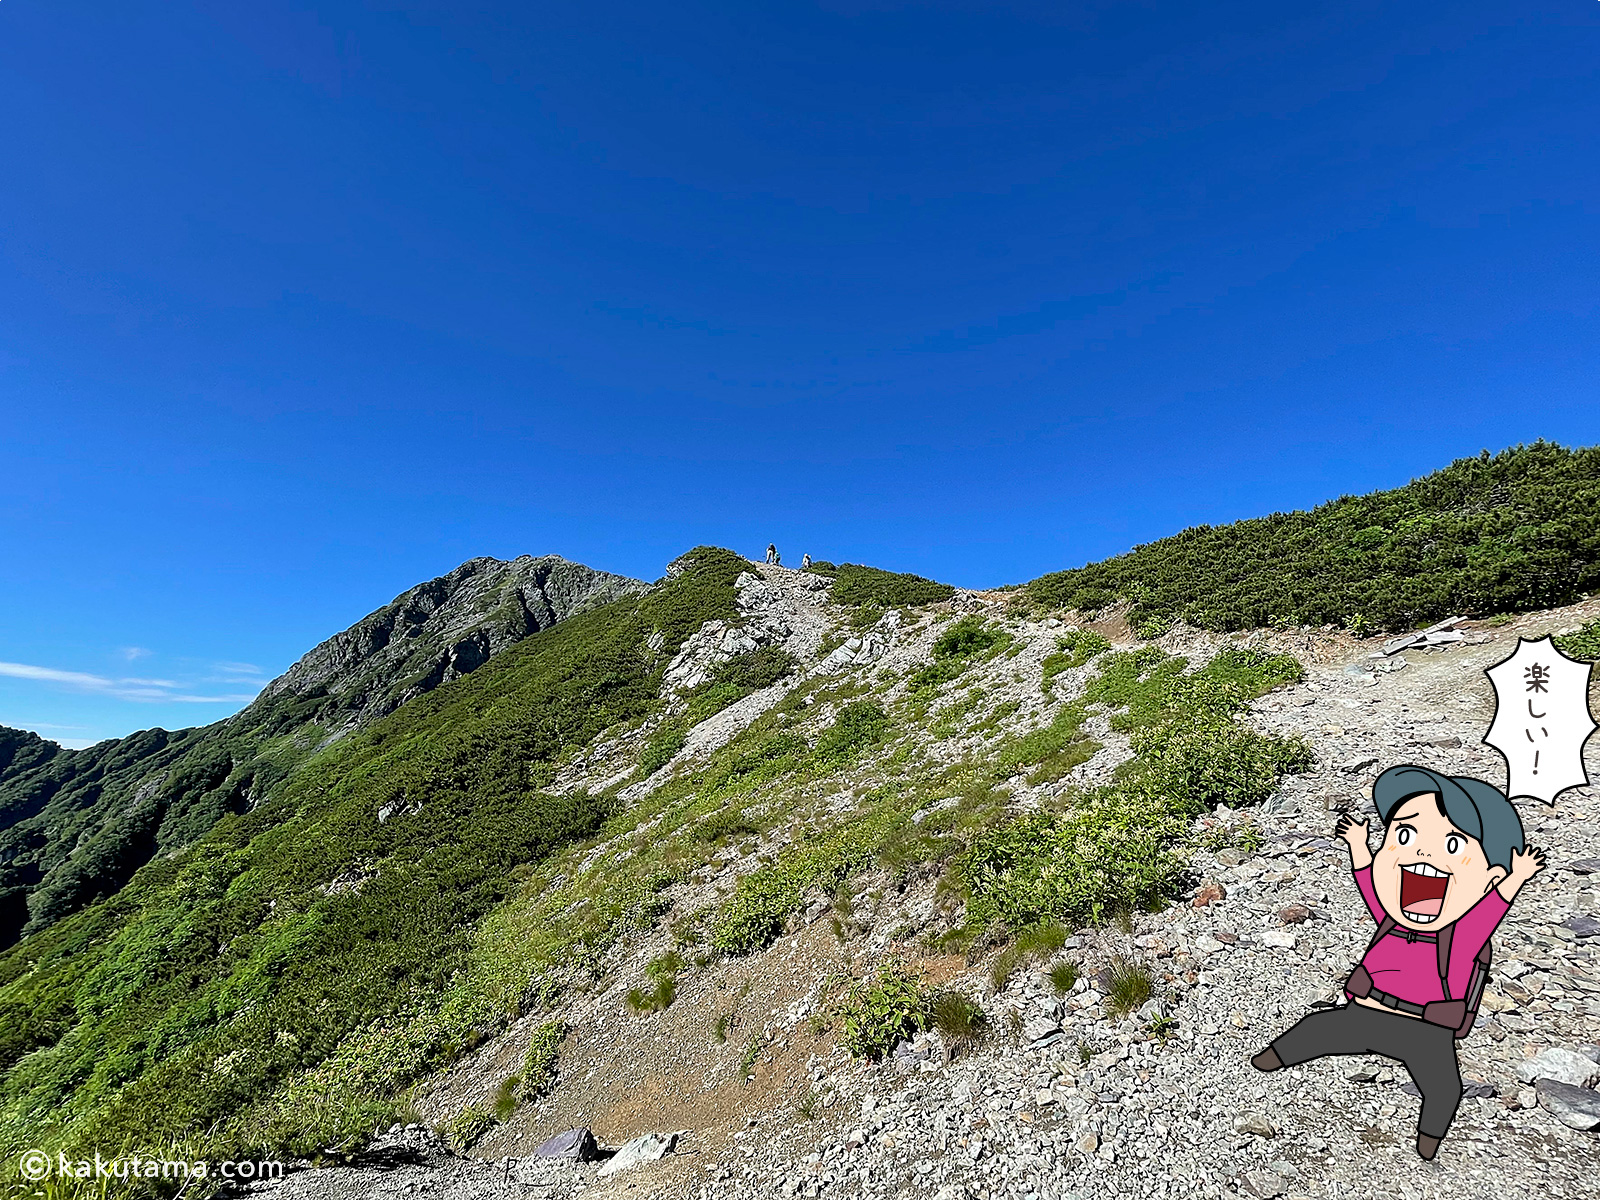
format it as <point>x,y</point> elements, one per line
<point>1129,985</point>
<point>807,1105</point>
<point>724,824</point>
<point>1041,940</point>
<point>961,1022</point>
<point>505,1098</point>
<point>751,1052</point>
<point>1003,968</point>
<point>663,990</point>
<point>1063,976</point>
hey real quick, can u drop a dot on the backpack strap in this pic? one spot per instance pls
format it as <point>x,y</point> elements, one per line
<point>1443,939</point>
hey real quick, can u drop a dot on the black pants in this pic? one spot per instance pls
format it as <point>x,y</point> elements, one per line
<point>1428,1052</point>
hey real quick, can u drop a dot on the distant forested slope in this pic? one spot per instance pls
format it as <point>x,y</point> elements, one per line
<point>76,824</point>
<point>1508,532</point>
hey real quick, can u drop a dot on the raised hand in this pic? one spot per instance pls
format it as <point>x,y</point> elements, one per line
<point>1525,864</point>
<point>1354,833</point>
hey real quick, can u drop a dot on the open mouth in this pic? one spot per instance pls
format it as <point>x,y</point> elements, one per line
<point>1422,890</point>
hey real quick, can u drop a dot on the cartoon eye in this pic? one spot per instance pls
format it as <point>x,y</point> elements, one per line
<point>1452,844</point>
<point>1404,836</point>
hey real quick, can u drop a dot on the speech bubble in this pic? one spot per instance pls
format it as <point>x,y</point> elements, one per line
<point>1541,719</point>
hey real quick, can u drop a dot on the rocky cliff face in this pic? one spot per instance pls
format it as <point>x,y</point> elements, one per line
<point>440,630</point>
<point>76,824</point>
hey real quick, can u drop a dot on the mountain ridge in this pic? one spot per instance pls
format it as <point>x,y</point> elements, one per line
<point>75,824</point>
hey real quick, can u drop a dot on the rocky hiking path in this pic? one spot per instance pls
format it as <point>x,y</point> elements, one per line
<point>1061,1101</point>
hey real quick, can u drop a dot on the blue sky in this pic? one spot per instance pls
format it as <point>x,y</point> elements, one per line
<point>304,303</point>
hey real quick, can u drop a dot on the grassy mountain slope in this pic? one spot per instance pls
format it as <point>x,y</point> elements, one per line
<point>76,824</point>
<point>1509,532</point>
<point>205,993</point>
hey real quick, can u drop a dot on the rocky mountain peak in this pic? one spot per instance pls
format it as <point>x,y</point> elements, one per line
<point>442,629</point>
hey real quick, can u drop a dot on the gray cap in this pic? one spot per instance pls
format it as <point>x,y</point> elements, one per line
<point>1478,809</point>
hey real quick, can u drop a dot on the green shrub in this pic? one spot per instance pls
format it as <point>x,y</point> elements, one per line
<point>853,584</point>
<point>967,637</point>
<point>661,748</point>
<point>876,1014</point>
<point>1063,976</point>
<point>926,679</point>
<point>1509,532</point>
<point>539,1064</point>
<point>750,766</point>
<point>738,677</point>
<point>1114,851</point>
<point>752,1051</point>
<point>723,824</point>
<point>1583,645</point>
<point>762,900</point>
<point>1119,848</point>
<point>1052,751</point>
<point>468,1126</point>
<point>860,724</point>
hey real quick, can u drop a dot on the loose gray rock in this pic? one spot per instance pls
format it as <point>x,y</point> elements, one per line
<point>1561,1065</point>
<point>1574,1107</point>
<point>1250,1122</point>
<point>576,1144</point>
<point>650,1147</point>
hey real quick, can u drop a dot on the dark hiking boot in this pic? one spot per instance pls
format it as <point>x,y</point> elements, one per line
<point>1267,1060</point>
<point>1427,1146</point>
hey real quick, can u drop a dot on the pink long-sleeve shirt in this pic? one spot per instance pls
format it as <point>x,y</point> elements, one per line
<point>1410,969</point>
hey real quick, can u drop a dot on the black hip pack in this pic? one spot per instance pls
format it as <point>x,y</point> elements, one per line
<point>1454,1015</point>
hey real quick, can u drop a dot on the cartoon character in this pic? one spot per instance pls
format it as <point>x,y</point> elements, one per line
<point>1452,861</point>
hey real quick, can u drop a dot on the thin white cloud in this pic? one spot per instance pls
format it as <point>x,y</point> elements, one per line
<point>51,675</point>
<point>134,653</point>
<point>237,668</point>
<point>152,691</point>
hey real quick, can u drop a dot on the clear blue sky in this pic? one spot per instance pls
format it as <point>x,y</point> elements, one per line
<point>303,303</point>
